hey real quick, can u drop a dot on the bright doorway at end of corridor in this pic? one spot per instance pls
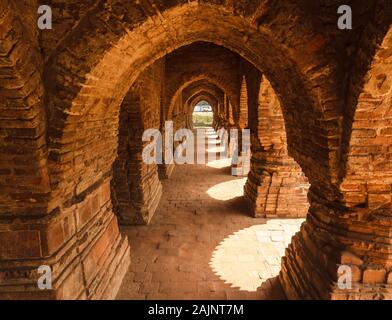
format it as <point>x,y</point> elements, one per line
<point>202,115</point>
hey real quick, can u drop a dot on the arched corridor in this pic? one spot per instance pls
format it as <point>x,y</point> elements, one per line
<point>100,184</point>
<point>203,244</point>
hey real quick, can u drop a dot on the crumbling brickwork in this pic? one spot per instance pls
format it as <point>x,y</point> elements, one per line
<point>65,141</point>
<point>276,186</point>
<point>359,221</point>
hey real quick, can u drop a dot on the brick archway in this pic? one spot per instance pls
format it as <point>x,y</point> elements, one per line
<point>196,80</point>
<point>107,83</point>
<point>194,86</point>
<point>177,111</point>
<point>88,75</point>
<point>214,93</point>
<point>196,98</point>
<point>198,61</point>
<point>132,59</point>
<point>366,175</point>
<point>354,232</point>
<point>202,93</point>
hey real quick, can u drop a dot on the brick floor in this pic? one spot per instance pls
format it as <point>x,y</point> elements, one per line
<point>202,243</point>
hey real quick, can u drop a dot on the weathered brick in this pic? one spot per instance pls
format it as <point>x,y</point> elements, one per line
<point>63,93</point>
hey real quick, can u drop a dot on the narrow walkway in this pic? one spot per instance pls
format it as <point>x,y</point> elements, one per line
<point>202,243</point>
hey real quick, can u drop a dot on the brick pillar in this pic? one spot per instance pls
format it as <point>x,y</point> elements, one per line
<point>136,189</point>
<point>165,170</point>
<point>351,228</point>
<point>80,243</point>
<point>243,110</point>
<point>24,177</point>
<point>241,168</point>
<point>216,111</point>
<point>334,237</point>
<point>221,115</point>
<point>77,237</point>
<point>189,117</point>
<point>240,151</point>
<point>276,186</point>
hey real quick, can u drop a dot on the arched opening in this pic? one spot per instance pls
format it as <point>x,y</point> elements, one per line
<point>117,70</point>
<point>90,100</point>
<point>203,115</point>
<point>208,94</point>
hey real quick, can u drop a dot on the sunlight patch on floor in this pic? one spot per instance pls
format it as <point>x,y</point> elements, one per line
<point>220,163</point>
<point>251,256</point>
<point>227,190</point>
<point>218,149</point>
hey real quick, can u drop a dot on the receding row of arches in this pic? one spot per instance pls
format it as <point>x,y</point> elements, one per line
<point>73,114</point>
<point>274,171</point>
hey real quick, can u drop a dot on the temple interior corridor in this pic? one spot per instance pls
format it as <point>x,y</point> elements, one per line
<point>100,105</point>
<point>203,244</point>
